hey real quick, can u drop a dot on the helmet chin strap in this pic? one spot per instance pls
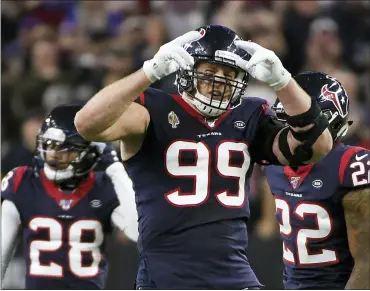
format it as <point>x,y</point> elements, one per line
<point>203,108</point>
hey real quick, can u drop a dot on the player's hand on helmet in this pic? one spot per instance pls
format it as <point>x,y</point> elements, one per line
<point>264,65</point>
<point>171,57</point>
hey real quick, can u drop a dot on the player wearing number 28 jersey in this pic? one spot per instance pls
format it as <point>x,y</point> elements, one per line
<point>190,156</point>
<point>64,209</point>
<point>324,208</point>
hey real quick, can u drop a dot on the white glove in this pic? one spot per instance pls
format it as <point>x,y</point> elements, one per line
<point>264,65</point>
<point>171,57</point>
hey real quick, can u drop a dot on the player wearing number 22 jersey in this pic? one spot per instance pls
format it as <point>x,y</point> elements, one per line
<point>64,208</point>
<point>323,208</point>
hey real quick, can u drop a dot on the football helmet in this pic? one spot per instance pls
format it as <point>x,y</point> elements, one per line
<point>215,46</point>
<point>331,97</point>
<point>58,137</point>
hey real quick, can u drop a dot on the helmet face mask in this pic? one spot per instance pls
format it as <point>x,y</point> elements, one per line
<point>212,93</point>
<point>66,156</point>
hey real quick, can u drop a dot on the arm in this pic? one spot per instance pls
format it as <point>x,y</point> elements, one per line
<point>306,123</point>
<point>10,227</point>
<point>111,114</point>
<point>356,206</point>
<point>298,102</point>
<point>124,217</point>
<point>268,136</point>
<point>119,221</point>
<point>267,225</point>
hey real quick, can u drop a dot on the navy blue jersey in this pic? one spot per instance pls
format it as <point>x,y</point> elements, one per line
<point>63,234</point>
<point>311,216</point>
<point>191,179</point>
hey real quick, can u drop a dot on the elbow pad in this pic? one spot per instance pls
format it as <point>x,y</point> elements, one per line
<point>308,137</point>
<point>312,116</point>
<point>302,152</point>
<point>306,118</point>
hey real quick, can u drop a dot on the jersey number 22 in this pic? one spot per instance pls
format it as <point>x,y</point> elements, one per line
<point>304,235</point>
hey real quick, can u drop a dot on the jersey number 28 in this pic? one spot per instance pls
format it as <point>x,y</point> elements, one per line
<point>75,247</point>
<point>200,171</point>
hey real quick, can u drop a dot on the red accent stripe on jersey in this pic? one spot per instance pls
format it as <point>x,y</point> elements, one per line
<point>52,189</point>
<point>347,155</point>
<point>19,172</point>
<point>142,99</point>
<point>201,118</point>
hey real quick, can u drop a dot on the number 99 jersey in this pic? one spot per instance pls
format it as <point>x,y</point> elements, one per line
<point>309,210</point>
<point>63,234</point>
<point>191,179</point>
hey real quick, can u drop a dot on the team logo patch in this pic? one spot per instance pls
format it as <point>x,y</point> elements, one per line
<point>95,203</point>
<point>317,183</point>
<point>173,119</point>
<point>65,204</point>
<point>340,103</point>
<point>294,182</point>
<point>239,124</point>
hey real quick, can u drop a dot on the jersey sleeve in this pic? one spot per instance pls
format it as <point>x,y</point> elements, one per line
<point>10,184</point>
<point>124,190</point>
<point>267,127</point>
<point>354,169</point>
<point>141,99</point>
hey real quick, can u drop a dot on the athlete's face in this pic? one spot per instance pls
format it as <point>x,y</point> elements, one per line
<point>215,80</point>
<point>59,159</point>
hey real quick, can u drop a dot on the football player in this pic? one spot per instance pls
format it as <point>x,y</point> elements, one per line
<point>324,208</point>
<point>63,209</point>
<point>190,156</point>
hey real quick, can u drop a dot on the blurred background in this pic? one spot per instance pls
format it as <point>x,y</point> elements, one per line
<point>59,51</point>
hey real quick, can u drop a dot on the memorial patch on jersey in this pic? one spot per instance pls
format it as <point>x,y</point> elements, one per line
<point>173,119</point>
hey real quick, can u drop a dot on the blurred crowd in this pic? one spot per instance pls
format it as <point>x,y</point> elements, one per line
<point>56,51</point>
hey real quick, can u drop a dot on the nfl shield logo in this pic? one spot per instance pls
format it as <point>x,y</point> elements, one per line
<point>65,204</point>
<point>294,182</point>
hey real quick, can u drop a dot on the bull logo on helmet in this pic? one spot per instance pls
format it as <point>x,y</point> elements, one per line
<point>340,102</point>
